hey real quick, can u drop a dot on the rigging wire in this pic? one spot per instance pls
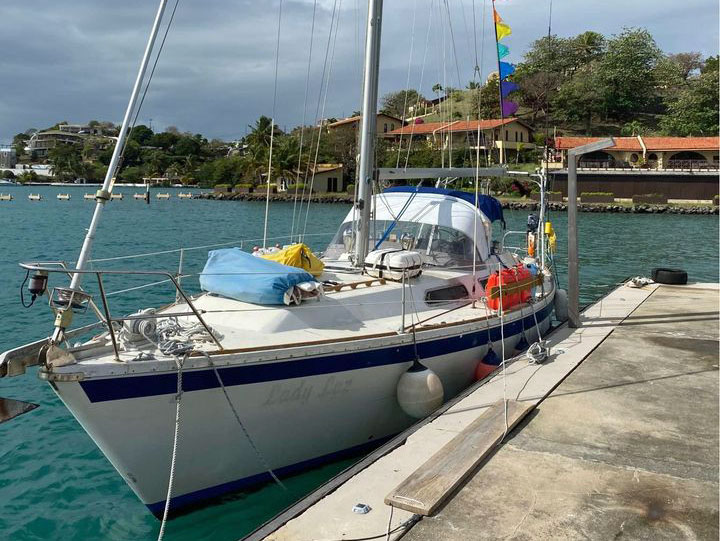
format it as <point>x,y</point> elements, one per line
<point>331,49</point>
<point>318,120</point>
<point>422,76</point>
<point>407,81</point>
<point>457,62</point>
<point>272,124</point>
<point>147,85</point>
<point>302,126</point>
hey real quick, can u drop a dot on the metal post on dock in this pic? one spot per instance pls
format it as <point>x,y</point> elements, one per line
<point>573,271</point>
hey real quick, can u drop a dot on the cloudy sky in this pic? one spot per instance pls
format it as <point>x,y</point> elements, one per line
<point>75,60</point>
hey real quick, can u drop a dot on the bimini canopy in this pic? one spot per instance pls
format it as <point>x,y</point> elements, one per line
<point>431,207</point>
<point>490,207</point>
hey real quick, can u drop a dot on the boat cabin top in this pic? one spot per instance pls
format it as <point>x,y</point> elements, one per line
<point>442,225</point>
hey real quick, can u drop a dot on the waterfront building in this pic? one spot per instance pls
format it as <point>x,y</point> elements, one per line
<point>326,178</point>
<point>676,167</point>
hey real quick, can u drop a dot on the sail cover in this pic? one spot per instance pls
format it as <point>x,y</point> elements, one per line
<point>232,273</point>
<point>489,206</point>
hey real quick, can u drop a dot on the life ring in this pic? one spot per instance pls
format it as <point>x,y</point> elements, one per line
<point>670,276</point>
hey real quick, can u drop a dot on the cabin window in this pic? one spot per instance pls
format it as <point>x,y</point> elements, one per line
<point>439,246</point>
<point>516,137</point>
<point>385,128</point>
<point>507,135</point>
<point>446,294</point>
<point>332,184</point>
<point>652,157</point>
<point>392,127</point>
<point>634,158</point>
<point>521,137</point>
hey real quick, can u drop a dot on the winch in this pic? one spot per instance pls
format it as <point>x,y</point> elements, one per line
<point>140,329</point>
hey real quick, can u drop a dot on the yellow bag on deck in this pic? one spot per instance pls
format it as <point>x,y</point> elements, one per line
<point>300,256</point>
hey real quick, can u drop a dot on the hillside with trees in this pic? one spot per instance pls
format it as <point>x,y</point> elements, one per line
<point>586,84</point>
<point>595,85</point>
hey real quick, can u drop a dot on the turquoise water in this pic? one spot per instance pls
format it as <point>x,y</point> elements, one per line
<point>55,484</point>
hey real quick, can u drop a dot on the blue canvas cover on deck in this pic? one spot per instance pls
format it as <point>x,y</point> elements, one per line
<point>232,273</point>
<point>489,206</point>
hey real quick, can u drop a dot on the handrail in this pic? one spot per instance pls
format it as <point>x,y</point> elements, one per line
<point>502,244</point>
<point>45,267</point>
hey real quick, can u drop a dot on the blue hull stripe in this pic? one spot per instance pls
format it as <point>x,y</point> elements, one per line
<point>119,388</point>
<point>192,498</point>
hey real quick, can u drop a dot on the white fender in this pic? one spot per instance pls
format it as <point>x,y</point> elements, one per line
<point>420,391</point>
<point>561,305</point>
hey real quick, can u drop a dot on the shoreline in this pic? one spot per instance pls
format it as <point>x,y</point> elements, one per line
<point>691,209</point>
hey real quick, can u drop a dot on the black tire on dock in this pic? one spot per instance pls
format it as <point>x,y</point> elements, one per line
<point>670,276</point>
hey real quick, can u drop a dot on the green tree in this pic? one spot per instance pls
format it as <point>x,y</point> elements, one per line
<point>626,73</point>
<point>186,146</point>
<point>141,134</point>
<point>19,143</point>
<point>694,109</point>
<point>260,133</point>
<point>579,99</point>
<point>398,103</point>
<point>27,176</point>
<point>586,48</point>
<point>65,162</point>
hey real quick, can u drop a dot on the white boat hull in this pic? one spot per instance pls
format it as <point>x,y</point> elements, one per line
<point>299,412</point>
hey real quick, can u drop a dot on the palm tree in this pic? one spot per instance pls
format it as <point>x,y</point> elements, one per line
<point>261,133</point>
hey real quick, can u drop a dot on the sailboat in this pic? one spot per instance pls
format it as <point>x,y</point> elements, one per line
<point>272,368</point>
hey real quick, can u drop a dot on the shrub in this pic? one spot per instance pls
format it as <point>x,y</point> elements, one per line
<point>245,185</point>
<point>609,194</point>
<point>350,188</point>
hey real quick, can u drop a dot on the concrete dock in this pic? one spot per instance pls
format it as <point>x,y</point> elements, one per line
<point>622,443</point>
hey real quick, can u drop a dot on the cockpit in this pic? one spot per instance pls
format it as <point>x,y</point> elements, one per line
<point>444,226</point>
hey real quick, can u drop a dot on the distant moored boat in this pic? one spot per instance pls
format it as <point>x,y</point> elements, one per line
<point>89,196</point>
<point>163,196</point>
<point>34,197</point>
<point>63,196</point>
<point>116,196</point>
<point>6,197</point>
<point>185,195</point>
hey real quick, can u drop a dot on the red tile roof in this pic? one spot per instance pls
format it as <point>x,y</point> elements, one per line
<point>457,126</point>
<point>682,143</point>
<point>651,143</point>
<point>353,119</point>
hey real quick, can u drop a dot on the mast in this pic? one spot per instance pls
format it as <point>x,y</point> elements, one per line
<point>368,128</point>
<point>103,195</point>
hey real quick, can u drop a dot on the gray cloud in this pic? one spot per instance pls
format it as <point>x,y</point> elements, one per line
<point>75,60</point>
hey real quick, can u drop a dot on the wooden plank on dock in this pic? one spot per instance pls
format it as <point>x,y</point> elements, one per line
<point>428,486</point>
